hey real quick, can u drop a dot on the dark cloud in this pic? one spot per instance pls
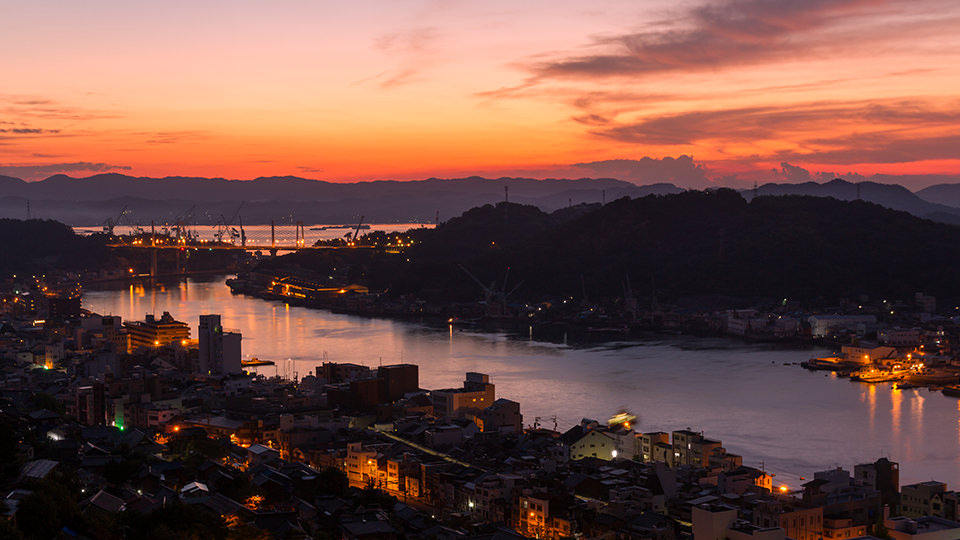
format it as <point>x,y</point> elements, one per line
<point>710,36</point>
<point>760,123</point>
<point>792,174</point>
<point>308,169</point>
<point>36,172</point>
<point>886,147</point>
<point>30,131</point>
<point>592,120</point>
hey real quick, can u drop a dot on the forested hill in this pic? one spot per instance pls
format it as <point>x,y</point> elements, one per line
<point>692,243</point>
<point>41,245</point>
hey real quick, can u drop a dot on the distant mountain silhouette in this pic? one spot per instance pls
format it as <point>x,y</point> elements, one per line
<point>287,199</point>
<point>89,201</point>
<point>893,196</point>
<point>948,194</point>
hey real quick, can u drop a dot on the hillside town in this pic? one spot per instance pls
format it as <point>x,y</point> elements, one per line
<point>104,419</point>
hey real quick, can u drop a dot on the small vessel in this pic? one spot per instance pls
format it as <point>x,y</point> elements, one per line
<point>873,375</point>
<point>952,390</point>
<point>928,377</point>
<point>253,362</point>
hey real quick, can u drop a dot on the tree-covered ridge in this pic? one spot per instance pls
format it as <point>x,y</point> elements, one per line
<point>40,245</point>
<point>693,243</point>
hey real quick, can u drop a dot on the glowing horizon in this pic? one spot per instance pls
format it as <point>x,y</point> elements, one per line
<point>750,89</point>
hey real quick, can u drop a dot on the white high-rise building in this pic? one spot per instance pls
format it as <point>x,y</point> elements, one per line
<point>219,348</point>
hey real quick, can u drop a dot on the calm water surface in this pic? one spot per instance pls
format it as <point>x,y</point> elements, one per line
<point>792,421</point>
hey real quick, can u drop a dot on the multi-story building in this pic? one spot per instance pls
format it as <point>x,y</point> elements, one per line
<point>691,448</point>
<point>882,475</point>
<point>477,394</point>
<point>648,444</point>
<point>502,416</point>
<point>219,349</point>
<point>153,332</point>
<point>800,523</point>
<point>538,515</point>
<point>595,443</point>
<point>399,379</point>
<point>721,522</point>
<point>915,499</point>
<point>361,465</point>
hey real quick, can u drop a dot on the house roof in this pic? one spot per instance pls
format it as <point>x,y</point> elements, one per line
<point>106,502</point>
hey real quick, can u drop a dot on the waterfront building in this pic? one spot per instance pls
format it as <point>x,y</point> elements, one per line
<point>691,448</point>
<point>826,325</point>
<point>915,499</point>
<point>399,379</point>
<point>333,372</point>
<point>153,332</point>
<point>219,349</point>
<point>882,475</point>
<point>477,393</point>
<point>921,528</point>
<point>946,505</point>
<point>595,443</point>
<point>503,416</point>
<point>648,447</point>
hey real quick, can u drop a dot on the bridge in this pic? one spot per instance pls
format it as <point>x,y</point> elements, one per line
<point>160,244</point>
<point>181,239</point>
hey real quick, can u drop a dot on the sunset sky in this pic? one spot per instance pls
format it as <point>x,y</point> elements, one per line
<point>712,92</point>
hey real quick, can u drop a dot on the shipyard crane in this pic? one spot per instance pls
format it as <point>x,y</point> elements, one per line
<point>491,293</point>
<point>110,223</point>
<point>226,227</point>
<point>181,223</point>
<point>356,233</point>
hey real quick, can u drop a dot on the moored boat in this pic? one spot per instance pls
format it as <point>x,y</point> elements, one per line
<point>952,390</point>
<point>932,377</point>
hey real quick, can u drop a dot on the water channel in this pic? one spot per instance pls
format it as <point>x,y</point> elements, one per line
<point>754,398</point>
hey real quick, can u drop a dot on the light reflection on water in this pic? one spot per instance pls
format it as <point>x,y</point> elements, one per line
<point>792,421</point>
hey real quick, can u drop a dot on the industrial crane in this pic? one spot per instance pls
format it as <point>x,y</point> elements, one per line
<point>110,223</point>
<point>492,295</point>
<point>356,234</point>
<point>226,227</point>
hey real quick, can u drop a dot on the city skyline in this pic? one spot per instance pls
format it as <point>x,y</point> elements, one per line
<point>703,94</point>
